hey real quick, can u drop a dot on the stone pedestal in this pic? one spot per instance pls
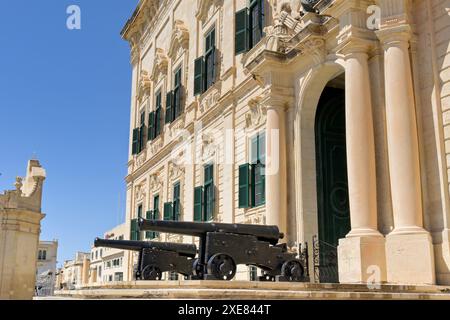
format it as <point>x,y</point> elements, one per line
<point>20,226</point>
<point>410,258</point>
<point>362,260</point>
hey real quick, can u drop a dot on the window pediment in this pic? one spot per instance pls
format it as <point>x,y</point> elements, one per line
<point>180,38</point>
<point>160,66</point>
<point>206,8</point>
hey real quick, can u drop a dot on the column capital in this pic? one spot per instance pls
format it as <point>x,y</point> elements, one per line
<point>355,46</point>
<point>398,35</point>
<point>277,98</point>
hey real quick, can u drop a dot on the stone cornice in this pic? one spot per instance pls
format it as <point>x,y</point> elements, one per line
<point>395,35</point>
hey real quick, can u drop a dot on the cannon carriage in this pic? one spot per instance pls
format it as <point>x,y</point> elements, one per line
<point>155,258</point>
<point>225,246</point>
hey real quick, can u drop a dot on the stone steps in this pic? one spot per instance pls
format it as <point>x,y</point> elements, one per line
<point>254,291</point>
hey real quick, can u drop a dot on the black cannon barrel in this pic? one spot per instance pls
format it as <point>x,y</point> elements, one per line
<point>198,229</point>
<point>184,249</point>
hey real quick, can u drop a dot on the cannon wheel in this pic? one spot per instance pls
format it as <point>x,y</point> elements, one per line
<point>222,266</point>
<point>151,273</point>
<point>293,270</point>
<point>198,269</point>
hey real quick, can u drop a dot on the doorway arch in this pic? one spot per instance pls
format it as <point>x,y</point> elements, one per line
<point>332,183</point>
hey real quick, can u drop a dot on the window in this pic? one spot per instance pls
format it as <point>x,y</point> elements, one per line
<point>210,51</point>
<point>250,23</point>
<point>101,253</point>
<point>252,179</point>
<point>100,271</point>
<point>118,276</point>
<point>42,255</point>
<point>253,273</point>
<point>135,232</point>
<point>96,254</point>
<point>174,98</point>
<point>153,215</point>
<point>205,66</point>
<point>204,197</point>
<point>172,210</point>
<point>139,136</point>
<point>154,118</point>
<point>177,94</point>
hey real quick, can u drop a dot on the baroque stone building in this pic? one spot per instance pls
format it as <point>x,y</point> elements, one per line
<point>329,119</point>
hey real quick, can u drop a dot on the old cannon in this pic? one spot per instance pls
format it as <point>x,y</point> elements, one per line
<point>224,246</point>
<point>156,257</point>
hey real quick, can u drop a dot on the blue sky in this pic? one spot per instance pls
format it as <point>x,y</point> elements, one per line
<point>65,96</point>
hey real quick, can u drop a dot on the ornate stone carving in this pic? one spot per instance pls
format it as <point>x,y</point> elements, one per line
<point>209,148</point>
<point>141,158</point>
<point>140,191</point>
<point>157,145</point>
<point>156,182</point>
<point>176,171</point>
<point>258,113</point>
<point>209,100</point>
<point>206,8</point>
<point>180,39</point>
<point>255,218</point>
<point>160,65</point>
<point>144,84</point>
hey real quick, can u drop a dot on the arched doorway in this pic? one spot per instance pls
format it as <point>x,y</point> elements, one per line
<point>332,182</point>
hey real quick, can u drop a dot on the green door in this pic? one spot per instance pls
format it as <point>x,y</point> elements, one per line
<point>332,182</point>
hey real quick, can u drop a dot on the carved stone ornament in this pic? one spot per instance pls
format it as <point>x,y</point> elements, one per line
<point>156,145</point>
<point>160,65</point>
<point>257,115</point>
<point>144,84</point>
<point>140,191</point>
<point>140,160</point>
<point>175,171</point>
<point>209,148</point>
<point>179,40</point>
<point>206,8</point>
<point>209,100</point>
<point>156,182</point>
<point>255,218</point>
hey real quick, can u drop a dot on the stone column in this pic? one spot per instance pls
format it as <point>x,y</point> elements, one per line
<point>276,187</point>
<point>409,249</point>
<point>361,254</point>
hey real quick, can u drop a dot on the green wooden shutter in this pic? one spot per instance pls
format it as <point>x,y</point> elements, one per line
<point>134,230</point>
<point>135,145</point>
<point>199,65</point>
<point>151,126</point>
<point>168,211</point>
<point>198,204</point>
<point>149,234</point>
<point>169,107</point>
<point>176,202</point>
<point>244,186</point>
<point>242,32</point>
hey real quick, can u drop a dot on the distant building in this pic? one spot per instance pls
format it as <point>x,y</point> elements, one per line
<point>109,265</point>
<point>46,267</point>
<point>72,272</point>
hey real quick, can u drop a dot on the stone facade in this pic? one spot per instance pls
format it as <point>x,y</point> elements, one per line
<point>74,273</point>
<point>392,73</point>
<point>20,226</point>
<point>110,265</point>
<point>46,267</point>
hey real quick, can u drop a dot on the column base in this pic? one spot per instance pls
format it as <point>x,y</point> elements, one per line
<point>442,259</point>
<point>410,258</point>
<point>362,260</point>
